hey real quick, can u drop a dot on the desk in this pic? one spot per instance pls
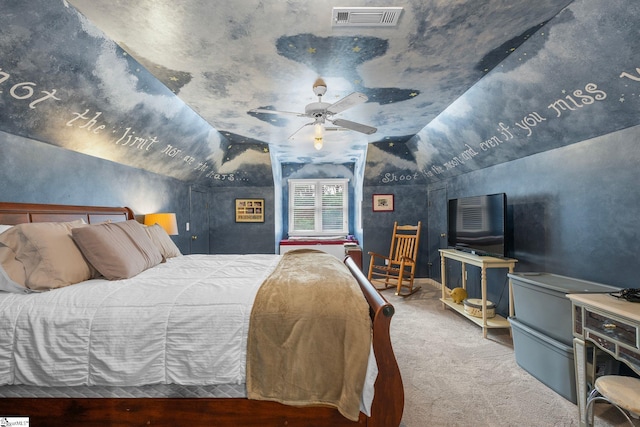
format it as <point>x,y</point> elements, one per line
<point>611,324</point>
<point>484,262</point>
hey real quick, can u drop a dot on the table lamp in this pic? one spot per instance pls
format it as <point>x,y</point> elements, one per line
<point>164,220</point>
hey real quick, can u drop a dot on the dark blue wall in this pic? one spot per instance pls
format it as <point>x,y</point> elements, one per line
<point>574,209</point>
<point>33,172</point>
<point>229,237</point>
<point>410,206</point>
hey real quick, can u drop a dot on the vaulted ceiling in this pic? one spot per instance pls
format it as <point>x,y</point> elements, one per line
<point>224,59</point>
<point>453,86</point>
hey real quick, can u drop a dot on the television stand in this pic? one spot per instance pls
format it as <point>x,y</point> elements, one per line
<point>484,262</point>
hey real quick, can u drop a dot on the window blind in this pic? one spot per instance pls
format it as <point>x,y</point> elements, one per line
<point>318,207</point>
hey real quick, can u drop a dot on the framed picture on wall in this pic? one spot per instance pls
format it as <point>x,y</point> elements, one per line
<point>383,202</point>
<point>249,210</point>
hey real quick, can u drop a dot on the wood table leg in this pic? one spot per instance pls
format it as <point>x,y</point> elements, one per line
<point>580,362</point>
<point>483,285</point>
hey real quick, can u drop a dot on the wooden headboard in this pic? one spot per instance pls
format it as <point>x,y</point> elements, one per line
<point>18,213</point>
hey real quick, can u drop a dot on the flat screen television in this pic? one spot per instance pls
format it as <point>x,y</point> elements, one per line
<point>478,224</point>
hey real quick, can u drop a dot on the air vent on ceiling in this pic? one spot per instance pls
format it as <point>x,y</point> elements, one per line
<point>365,16</point>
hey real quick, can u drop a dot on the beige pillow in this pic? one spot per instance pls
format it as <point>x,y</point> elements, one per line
<point>49,256</point>
<point>163,242</point>
<point>13,270</point>
<point>117,250</point>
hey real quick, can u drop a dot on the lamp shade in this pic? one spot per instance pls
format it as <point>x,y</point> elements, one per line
<point>164,220</point>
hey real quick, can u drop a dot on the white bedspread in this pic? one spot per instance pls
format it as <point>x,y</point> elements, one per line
<point>182,322</point>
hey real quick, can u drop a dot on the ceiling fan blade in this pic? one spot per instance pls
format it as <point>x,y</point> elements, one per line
<point>289,113</point>
<point>347,102</point>
<point>302,127</point>
<point>358,127</point>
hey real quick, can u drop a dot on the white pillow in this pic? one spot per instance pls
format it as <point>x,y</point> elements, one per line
<point>4,228</point>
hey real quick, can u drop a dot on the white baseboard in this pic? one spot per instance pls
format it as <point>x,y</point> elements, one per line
<point>425,281</point>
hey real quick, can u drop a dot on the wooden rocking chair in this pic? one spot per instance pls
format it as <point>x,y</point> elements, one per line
<point>397,270</point>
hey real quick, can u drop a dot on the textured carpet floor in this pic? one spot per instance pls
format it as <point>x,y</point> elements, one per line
<point>454,377</point>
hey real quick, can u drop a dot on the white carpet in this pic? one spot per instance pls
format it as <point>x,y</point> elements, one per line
<point>454,377</point>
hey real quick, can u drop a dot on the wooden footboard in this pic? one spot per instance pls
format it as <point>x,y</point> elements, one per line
<point>388,401</point>
<point>386,410</point>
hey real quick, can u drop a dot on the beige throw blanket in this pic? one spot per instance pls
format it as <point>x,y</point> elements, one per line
<point>309,335</point>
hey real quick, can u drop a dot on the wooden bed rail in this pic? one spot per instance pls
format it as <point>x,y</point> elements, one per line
<point>388,401</point>
<point>376,301</point>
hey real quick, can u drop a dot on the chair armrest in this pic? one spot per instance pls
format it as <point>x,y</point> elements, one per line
<point>406,258</point>
<point>376,255</point>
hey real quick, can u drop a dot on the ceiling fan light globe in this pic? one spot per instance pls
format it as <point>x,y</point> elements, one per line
<point>319,87</point>
<point>318,136</point>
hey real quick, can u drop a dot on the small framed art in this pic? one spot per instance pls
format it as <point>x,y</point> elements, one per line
<point>249,210</point>
<point>383,202</point>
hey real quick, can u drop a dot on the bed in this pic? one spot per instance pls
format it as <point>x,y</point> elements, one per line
<point>196,409</point>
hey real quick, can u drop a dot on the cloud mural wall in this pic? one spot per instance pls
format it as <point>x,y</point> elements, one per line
<point>576,78</point>
<point>64,82</point>
<point>455,88</point>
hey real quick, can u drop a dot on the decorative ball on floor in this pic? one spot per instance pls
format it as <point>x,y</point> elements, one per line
<point>458,295</point>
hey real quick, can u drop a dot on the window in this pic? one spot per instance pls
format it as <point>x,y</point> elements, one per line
<point>318,207</point>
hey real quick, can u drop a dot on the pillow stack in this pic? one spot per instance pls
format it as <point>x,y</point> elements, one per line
<point>49,255</point>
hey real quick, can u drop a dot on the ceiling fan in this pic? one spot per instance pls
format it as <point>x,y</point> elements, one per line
<point>322,112</point>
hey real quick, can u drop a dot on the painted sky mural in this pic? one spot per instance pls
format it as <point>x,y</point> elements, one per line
<point>577,78</point>
<point>65,83</point>
<point>169,87</point>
